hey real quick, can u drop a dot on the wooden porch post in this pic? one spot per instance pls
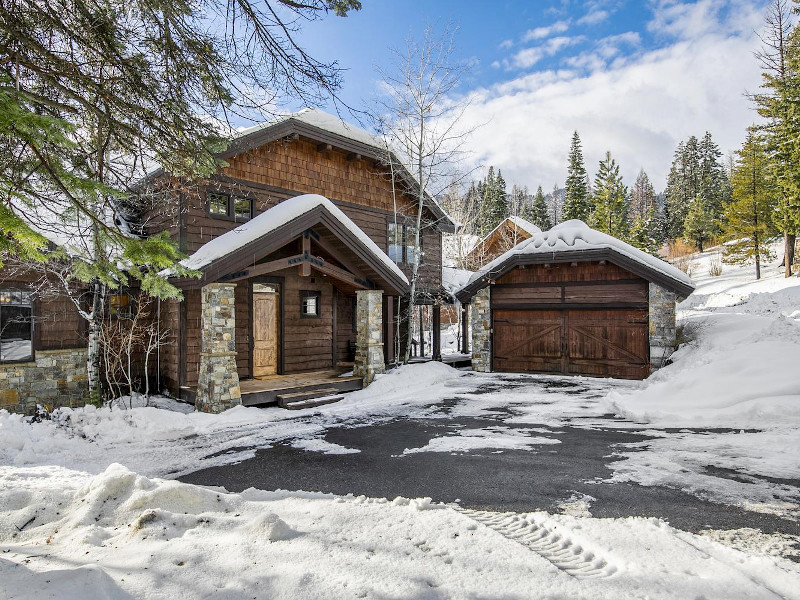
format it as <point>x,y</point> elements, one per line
<point>464,327</point>
<point>436,351</point>
<point>389,329</point>
<point>421,331</point>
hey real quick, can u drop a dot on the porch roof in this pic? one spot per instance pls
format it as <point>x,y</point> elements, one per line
<point>240,248</point>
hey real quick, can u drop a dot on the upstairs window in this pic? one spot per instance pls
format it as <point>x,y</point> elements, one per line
<point>401,243</point>
<point>16,326</point>
<point>228,206</point>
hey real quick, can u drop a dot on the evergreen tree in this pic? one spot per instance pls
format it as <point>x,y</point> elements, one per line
<point>713,184</point>
<point>610,200</point>
<point>748,216</point>
<point>494,207</point>
<point>645,232</point>
<point>698,227</point>
<point>643,197</point>
<point>538,214</point>
<point>577,200</point>
<point>780,61</point>
<point>682,186</point>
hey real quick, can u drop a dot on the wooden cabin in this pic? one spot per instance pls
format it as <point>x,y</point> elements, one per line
<point>510,232</point>
<point>574,301</point>
<point>329,237</point>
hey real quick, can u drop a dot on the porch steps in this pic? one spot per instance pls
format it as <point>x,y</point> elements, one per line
<point>309,398</point>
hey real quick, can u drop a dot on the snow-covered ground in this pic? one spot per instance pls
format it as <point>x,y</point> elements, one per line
<point>76,523</point>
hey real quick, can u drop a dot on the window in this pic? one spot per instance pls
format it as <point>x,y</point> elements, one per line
<point>226,206</point>
<point>401,243</point>
<point>309,304</point>
<point>241,209</point>
<point>396,242</point>
<point>217,204</point>
<point>16,325</point>
<point>120,305</point>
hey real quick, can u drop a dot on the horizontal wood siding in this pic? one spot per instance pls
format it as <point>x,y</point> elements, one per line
<point>583,319</point>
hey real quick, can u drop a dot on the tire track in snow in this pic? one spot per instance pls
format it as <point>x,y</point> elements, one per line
<point>555,546</point>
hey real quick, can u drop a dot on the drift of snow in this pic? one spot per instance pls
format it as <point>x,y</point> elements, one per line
<point>501,438</point>
<point>115,535</point>
<point>274,218</point>
<point>576,235</point>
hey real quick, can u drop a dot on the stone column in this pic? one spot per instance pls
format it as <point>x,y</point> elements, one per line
<point>369,347</point>
<point>481,332</point>
<point>662,325</point>
<point>218,382</point>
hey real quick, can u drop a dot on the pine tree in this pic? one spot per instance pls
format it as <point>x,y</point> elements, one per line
<point>748,216</point>
<point>698,228</point>
<point>643,197</point>
<point>713,184</point>
<point>644,232</point>
<point>538,214</point>
<point>610,200</point>
<point>682,186</point>
<point>780,61</point>
<point>494,207</point>
<point>577,200</point>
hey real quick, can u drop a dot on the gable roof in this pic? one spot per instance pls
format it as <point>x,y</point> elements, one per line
<point>514,223</point>
<point>275,227</point>
<point>324,127</point>
<point>575,241</point>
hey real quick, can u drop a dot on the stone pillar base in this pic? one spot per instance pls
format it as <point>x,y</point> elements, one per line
<point>369,347</point>
<point>662,325</point>
<point>218,380</point>
<point>481,331</point>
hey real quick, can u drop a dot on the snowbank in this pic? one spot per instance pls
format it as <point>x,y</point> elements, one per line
<point>119,535</point>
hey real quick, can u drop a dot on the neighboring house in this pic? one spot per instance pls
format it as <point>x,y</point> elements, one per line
<point>510,232</point>
<point>304,249</point>
<point>574,301</point>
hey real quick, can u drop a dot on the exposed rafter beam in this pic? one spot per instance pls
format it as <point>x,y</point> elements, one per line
<point>264,268</point>
<point>336,254</point>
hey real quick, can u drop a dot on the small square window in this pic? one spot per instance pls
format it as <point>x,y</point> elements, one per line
<point>242,208</point>
<point>309,304</point>
<point>120,305</point>
<point>217,204</point>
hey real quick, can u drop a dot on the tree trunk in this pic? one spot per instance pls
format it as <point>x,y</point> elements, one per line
<point>93,362</point>
<point>789,241</point>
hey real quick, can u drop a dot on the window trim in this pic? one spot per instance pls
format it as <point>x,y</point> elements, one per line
<point>306,294</point>
<point>230,215</point>
<point>33,302</point>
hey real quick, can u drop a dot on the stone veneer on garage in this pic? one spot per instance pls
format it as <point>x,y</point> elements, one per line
<point>54,378</point>
<point>662,325</point>
<point>482,332</point>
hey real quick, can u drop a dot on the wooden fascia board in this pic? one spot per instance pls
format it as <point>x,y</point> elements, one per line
<point>621,260</point>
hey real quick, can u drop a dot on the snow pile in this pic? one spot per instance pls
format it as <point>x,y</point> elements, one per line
<point>738,367</point>
<point>274,218</point>
<point>454,279</point>
<point>120,535</point>
<point>576,235</point>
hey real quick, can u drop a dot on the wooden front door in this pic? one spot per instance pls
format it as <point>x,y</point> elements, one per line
<point>266,336</point>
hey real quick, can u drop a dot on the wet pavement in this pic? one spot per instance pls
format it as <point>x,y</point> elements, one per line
<point>542,478</point>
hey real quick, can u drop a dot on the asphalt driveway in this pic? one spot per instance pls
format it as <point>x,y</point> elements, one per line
<point>560,477</point>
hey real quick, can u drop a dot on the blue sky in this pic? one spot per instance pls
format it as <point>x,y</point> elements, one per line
<point>633,77</point>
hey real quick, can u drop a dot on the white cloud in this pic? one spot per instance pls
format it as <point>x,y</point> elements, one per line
<point>594,16</point>
<point>639,106</point>
<point>505,44</point>
<point>540,33</point>
<point>528,57</point>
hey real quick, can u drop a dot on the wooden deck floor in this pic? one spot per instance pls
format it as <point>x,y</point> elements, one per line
<point>275,383</point>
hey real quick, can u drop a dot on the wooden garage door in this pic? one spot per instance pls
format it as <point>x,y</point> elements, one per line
<point>600,342</point>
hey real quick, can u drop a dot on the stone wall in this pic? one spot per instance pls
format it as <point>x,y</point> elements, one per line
<point>481,332</point>
<point>54,378</point>
<point>369,323</point>
<point>662,325</point>
<point>218,381</point>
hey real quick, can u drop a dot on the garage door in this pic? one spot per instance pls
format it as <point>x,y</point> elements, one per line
<point>600,342</point>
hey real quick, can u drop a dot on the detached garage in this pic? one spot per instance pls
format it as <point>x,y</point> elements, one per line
<point>574,301</point>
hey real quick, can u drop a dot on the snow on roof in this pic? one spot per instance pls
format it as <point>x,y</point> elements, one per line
<point>322,120</point>
<point>454,279</point>
<point>525,225</point>
<point>274,218</point>
<point>577,235</point>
